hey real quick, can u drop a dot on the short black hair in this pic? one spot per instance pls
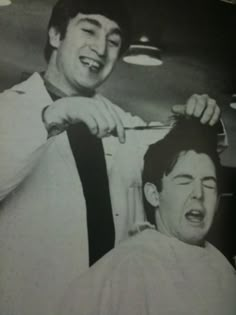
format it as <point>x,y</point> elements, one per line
<point>187,134</point>
<point>64,10</point>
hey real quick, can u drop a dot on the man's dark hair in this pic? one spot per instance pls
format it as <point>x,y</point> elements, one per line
<point>65,10</point>
<point>161,157</point>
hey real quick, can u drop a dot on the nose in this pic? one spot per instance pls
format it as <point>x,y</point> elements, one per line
<point>99,45</point>
<point>197,191</point>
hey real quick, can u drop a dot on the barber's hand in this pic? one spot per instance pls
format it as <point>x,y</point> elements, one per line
<point>201,106</point>
<point>100,116</point>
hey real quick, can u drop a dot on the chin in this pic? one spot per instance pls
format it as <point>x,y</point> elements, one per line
<point>91,84</point>
<point>195,240</point>
<point>84,86</point>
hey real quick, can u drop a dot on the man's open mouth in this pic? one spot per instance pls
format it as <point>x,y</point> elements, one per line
<point>195,216</point>
<point>92,64</point>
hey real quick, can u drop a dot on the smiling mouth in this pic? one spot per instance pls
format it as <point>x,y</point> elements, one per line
<point>92,64</point>
<point>195,216</point>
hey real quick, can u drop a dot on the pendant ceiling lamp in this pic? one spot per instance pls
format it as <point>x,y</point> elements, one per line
<point>229,1</point>
<point>4,3</point>
<point>143,52</point>
<point>233,101</point>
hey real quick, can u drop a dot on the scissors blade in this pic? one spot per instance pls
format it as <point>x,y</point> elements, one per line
<point>154,127</point>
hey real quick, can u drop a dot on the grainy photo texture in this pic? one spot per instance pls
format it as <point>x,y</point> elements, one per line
<point>118,157</point>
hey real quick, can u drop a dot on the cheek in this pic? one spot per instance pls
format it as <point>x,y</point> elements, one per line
<point>65,53</point>
<point>72,44</point>
<point>211,202</point>
<point>171,203</point>
<point>112,55</point>
<point>177,196</point>
<point>176,203</point>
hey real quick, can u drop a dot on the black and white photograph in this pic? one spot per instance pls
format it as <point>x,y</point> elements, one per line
<point>117,157</point>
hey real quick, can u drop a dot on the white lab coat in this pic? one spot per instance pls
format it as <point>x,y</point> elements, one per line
<point>43,232</point>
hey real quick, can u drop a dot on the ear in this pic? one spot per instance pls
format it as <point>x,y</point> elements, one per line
<point>151,194</point>
<point>54,37</point>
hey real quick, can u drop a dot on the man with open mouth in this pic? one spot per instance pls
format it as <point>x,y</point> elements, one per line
<point>167,267</point>
<point>68,176</point>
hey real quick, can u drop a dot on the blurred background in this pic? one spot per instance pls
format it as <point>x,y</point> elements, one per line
<point>197,41</point>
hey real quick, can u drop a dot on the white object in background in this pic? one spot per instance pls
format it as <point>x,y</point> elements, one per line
<point>4,3</point>
<point>229,1</point>
<point>233,102</point>
<point>143,52</point>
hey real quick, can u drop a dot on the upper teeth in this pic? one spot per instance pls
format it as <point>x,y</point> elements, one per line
<point>195,215</point>
<point>195,212</point>
<point>91,62</point>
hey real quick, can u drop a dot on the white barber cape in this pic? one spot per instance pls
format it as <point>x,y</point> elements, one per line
<point>43,231</point>
<point>152,274</point>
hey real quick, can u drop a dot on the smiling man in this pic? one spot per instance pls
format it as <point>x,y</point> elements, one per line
<point>86,56</point>
<point>169,268</point>
<point>70,176</point>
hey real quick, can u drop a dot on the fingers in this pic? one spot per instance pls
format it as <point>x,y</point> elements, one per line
<point>200,106</point>
<point>118,125</point>
<point>215,117</point>
<point>178,109</point>
<point>102,119</point>
<point>191,105</point>
<point>104,123</point>
<point>211,114</point>
<point>100,115</point>
<point>92,125</point>
<point>96,122</point>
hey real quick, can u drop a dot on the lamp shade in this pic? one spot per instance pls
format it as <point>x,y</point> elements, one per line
<point>229,1</point>
<point>4,3</point>
<point>143,52</point>
<point>233,101</point>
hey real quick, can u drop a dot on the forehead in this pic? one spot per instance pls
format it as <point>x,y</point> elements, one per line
<point>194,164</point>
<point>98,20</point>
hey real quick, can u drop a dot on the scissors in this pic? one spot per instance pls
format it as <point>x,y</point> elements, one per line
<point>149,127</point>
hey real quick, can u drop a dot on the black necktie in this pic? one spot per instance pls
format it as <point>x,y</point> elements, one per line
<point>91,165</point>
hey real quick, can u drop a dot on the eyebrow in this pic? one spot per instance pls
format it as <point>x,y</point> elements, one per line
<point>96,23</point>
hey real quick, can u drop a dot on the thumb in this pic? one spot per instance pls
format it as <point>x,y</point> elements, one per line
<point>178,109</point>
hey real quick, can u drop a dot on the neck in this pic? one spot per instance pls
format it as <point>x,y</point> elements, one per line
<point>161,227</point>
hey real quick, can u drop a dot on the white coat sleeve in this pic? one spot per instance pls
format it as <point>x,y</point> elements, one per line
<point>23,138</point>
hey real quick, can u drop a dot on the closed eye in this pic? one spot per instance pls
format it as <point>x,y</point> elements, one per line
<point>89,31</point>
<point>113,43</point>
<point>114,40</point>
<point>183,179</point>
<point>183,182</point>
<point>210,184</point>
